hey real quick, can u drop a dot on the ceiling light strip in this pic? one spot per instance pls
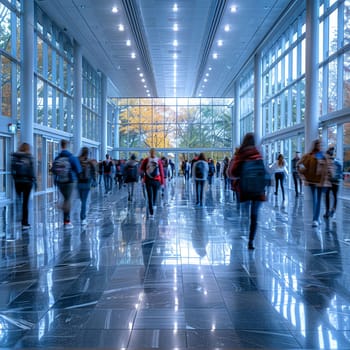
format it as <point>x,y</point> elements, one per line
<point>213,24</point>
<point>134,18</point>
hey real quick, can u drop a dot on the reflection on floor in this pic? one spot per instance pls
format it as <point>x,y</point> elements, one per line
<point>184,279</point>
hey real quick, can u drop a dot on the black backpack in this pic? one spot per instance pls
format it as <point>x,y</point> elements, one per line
<point>21,166</point>
<point>130,173</point>
<point>62,169</point>
<point>199,170</point>
<point>252,181</point>
<point>85,175</point>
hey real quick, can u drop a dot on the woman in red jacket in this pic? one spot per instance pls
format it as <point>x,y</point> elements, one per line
<point>248,152</point>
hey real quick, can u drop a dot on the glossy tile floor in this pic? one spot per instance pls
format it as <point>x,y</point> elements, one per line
<point>184,280</point>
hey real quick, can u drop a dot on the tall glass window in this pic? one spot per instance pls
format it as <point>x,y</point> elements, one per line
<point>9,60</point>
<point>53,75</point>
<point>174,123</point>
<point>283,74</point>
<point>91,102</point>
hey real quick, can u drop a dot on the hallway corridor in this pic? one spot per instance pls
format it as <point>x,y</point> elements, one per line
<point>183,280</point>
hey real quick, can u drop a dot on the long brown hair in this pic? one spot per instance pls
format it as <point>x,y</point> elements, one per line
<point>280,160</point>
<point>248,140</point>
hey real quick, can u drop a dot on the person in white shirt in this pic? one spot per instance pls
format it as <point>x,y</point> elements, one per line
<point>280,170</point>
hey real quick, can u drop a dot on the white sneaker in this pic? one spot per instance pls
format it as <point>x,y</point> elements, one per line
<point>315,223</point>
<point>68,225</point>
<point>83,222</point>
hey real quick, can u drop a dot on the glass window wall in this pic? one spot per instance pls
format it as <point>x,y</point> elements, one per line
<point>174,123</point>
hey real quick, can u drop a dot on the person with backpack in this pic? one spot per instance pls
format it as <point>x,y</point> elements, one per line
<point>314,168</point>
<point>336,175</point>
<point>85,180</point>
<point>152,167</point>
<point>248,166</point>
<point>107,167</point>
<point>200,176</point>
<point>211,171</point>
<point>131,174</point>
<point>23,173</point>
<point>66,169</point>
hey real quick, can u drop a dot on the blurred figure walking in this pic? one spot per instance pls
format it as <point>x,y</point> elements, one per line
<point>22,169</point>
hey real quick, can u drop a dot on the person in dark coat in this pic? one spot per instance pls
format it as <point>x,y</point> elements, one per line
<point>66,189</point>
<point>246,152</point>
<point>22,169</point>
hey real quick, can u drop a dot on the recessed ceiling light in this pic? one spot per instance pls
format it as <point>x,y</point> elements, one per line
<point>143,80</point>
<point>148,95</point>
<point>175,8</point>
<point>175,27</point>
<point>115,9</point>
<point>145,86</point>
<point>121,27</point>
<point>200,95</point>
<point>207,75</point>
<point>133,55</point>
<point>205,80</point>
<point>147,91</point>
<point>220,42</point>
<point>227,28</point>
<point>209,68</point>
<point>233,8</point>
<point>138,68</point>
<point>128,42</point>
<point>141,75</point>
<point>175,43</point>
<point>175,56</point>
<point>215,55</point>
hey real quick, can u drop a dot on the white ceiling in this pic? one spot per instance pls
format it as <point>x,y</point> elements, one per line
<point>149,26</point>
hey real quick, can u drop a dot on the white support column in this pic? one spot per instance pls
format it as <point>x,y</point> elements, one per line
<point>27,91</point>
<point>78,97</point>
<point>104,117</point>
<point>236,118</point>
<point>257,98</point>
<point>311,73</point>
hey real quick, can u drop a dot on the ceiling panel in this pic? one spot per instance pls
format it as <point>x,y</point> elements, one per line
<point>148,24</point>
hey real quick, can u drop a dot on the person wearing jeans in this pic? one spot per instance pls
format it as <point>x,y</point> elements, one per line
<point>66,188</point>
<point>200,178</point>
<point>314,169</point>
<point>23,173</point>
<point>86,177</point>
<point>152,168</point>
<point>248,152</point>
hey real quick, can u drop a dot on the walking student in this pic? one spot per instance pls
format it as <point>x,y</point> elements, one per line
<point>154,178</point>
<point>131,174</point>
<point>107,167</point>
<point>296,178</point>
<point>66,169</point>
<point>280,170</point>
<point>85,179</point>
<point>22,169</point>
<point>249,154</point>
<point>200,176</point>
<point>313,167</point>
<point>336,175</point>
